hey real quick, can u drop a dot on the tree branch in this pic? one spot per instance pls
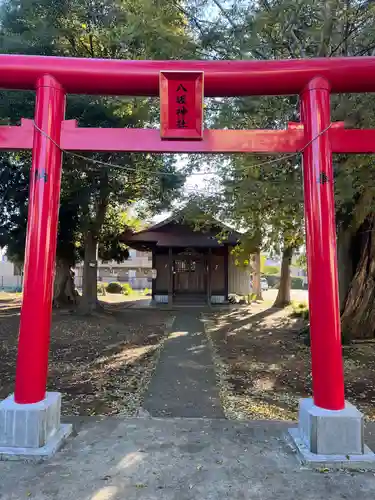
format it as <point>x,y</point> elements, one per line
<point>194,19</point>
<point>266,5</point>
<point>225,14</point>
<point>348,34</point>
<point>91,45</point>
<point>326,31</point>
<point>298,42</point>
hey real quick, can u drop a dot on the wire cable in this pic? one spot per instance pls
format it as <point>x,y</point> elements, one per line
<point>163,174</point>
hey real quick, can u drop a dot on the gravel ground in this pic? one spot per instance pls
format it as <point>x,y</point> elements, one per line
<point>101,364</point>
<point>264,368</point>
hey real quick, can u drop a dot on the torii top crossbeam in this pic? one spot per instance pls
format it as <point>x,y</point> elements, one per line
<point>222,78</point>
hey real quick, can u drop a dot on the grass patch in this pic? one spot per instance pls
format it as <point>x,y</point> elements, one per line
<point>300,310</point>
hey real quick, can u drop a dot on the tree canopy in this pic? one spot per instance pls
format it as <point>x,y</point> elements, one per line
<point>260,194</point>
<point>264,195</point>
<point>93,196</point>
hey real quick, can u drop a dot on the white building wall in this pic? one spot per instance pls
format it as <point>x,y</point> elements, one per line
<point>8,280</point>
<point>136,270</point>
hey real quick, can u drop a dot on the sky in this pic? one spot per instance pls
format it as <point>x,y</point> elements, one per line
<point>196,183</point>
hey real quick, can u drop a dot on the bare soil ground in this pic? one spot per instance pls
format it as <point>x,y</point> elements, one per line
<point>264,368</point>
<point>101,364</point>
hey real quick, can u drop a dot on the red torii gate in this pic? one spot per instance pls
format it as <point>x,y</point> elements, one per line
<point>315,136</point>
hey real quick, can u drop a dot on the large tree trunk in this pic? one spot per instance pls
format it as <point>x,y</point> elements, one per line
<point>89,300</point>
<point>256,277</point>
<point>64,292</point>
<point>358,317</point>
<point>345,263</point>
<point>283,295</point>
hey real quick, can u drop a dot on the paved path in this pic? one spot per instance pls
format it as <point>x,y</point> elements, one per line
<point>184,383</point>
<point>178,459</point>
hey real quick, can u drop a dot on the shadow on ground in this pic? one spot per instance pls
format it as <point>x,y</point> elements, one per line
<point>267,367</point>
<point>99,363</point>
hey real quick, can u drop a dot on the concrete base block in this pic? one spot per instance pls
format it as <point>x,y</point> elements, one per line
<point>217,299</point>
<point>329,432</point>
<point>44,452</point>
<point>161,299</point>
<point>327,436</point>
<point>319,461</point>
<point>31,430</point>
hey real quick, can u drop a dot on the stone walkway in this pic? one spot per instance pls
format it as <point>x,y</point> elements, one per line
<point>184,383</point>
<point>112,458</point>
<point>178,459</point>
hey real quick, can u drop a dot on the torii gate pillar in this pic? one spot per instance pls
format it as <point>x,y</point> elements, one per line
<point>329,429</point>
<point>30,419</point>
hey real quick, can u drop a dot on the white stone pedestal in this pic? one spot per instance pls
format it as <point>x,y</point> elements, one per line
<point>331,438</point>
<point>31,431</point>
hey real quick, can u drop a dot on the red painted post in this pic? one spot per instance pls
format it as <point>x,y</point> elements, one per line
<point>45,179</point>
<point>326,350</point>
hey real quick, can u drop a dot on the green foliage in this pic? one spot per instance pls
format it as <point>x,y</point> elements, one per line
<point>101,288</point>
<point>114,287</point>
<point>116,221</point>
<point>271,270</point>
<point>127,289</point>
<point>147,291</point>
<point>304,334</point>
<point>268,198</point>
<point>14,179</point>
<point>122,29</point>
<point>238,299</point>
<point>94,199</point>
<point>263,259</point>
<point>301,261</point>
<point>251,297</point>
<point>300,310</point>
<point>297,283</point>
